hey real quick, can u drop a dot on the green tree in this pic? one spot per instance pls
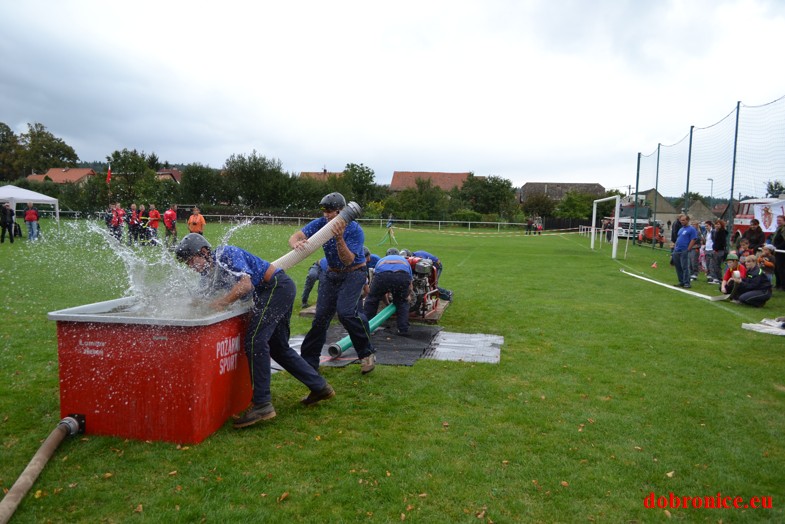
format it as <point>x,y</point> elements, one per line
<point>607,208</point>
<point>260,182</point>
<point>132,179</point>
<point>575,205</point>
<point>306,193</point>
<point>489,195</point>
<point>539,204</point>
<point>361,180</point>
<point>774,188</point>
<point>424,202</point>
<point>42,150</point>
<point>9,154</point>
<point>153,162</point>
<point>688,198</point>
<point>202,185</point>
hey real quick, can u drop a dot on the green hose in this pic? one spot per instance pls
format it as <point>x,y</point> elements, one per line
<point>337,348</point>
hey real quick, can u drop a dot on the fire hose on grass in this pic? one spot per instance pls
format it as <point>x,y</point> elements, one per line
<point>337,348</point>
<point>70,425</point>
<point>349,213</point>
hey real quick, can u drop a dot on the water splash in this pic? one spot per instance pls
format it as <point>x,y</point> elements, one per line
<point>158,283</point>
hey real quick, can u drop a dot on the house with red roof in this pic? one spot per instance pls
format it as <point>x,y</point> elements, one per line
<point>408,179</point>
<point>64,175</point>
<point>321,176</point>
<point>169,174</point>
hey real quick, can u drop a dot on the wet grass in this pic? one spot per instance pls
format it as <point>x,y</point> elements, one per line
<point>609,388</point>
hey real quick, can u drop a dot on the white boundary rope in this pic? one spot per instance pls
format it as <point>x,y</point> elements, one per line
<point>675,288</point>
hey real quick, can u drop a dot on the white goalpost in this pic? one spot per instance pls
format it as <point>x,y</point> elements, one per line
<point>615,241</point>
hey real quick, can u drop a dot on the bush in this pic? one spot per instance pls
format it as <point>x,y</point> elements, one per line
<point>467,215</point>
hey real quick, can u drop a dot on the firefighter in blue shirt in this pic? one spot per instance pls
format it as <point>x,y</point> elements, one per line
<point>341,287</point>
<point>393,274</point>
<point>315,274</point>
<point>236,274</point>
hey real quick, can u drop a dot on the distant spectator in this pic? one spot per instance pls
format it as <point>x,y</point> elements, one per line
<point>31,221</point>
<point>118,219</point>
<point>755,235</point>
<point>694,257</point>
<point>134,225</point>
<point>720,245</point>
<point>170,223</point>
<point>7,222</point>
<point>744,248</point>
<point>155,217</point>
<point>196,221</point>
<point>686,238</point>
<point>778,241</point>
<point>766,261</point>
<point>712,272</point>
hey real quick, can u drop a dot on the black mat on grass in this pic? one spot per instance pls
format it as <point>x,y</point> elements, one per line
<point>391,349</point>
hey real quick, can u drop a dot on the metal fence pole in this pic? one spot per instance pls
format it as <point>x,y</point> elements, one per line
<point>689,166</point>
<point>733,169</point>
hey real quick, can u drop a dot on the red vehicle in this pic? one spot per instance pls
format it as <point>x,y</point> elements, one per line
<point>746,212</point>
<point>651,235</point>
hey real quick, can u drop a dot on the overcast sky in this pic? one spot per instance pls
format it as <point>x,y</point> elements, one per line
<point>530,90</point>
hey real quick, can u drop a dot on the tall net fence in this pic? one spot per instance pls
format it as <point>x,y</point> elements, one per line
<point>733,159</point>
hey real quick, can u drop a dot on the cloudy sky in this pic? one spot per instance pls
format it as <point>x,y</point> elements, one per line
<point>529,90</point>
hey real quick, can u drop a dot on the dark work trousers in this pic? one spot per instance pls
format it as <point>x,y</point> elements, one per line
<point>314,275</point>
<point>7,227</point>
<point>756,297</point>
<point>338,293</point>
<point>396,283</point>
<point>268,337</point>
<point>779,270</point>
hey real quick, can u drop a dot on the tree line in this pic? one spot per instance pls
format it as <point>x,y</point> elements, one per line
<point>255,184</point>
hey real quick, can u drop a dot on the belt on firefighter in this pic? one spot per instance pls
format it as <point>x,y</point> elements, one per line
<point>269,273</point>
<point>347,269</point>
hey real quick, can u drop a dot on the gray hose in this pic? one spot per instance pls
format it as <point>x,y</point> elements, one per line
<point>12,499</point>
<point>351,212</point>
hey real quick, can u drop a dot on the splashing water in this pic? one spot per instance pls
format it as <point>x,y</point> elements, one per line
<point>158,283</point>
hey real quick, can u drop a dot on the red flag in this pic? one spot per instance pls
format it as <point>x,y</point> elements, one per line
<point>109,174</point>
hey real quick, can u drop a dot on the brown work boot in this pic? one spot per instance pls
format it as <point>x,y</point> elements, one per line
<point>255,414</point>
<point>368,363</point>
<point>317,396</point>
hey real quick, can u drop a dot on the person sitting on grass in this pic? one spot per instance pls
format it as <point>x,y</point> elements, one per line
<point>727,284</point>
<point>233,274</point>
<point>755,288</point>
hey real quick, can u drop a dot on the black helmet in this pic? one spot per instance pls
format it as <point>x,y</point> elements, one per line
<point>333,202</point>
<point>366,252</point>
<point>190,245</point>
<point>406,253</point>
<point>393,251</point>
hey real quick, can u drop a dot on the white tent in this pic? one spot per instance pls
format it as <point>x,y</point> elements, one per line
<point>16,195</point>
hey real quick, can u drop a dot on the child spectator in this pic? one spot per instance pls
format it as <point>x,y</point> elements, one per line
<point>766,261</point>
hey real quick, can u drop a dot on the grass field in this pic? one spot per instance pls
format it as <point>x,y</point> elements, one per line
<point>609,389</point>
